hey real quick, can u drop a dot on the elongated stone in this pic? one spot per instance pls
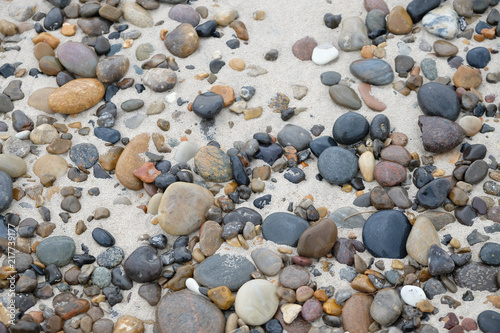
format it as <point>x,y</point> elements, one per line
<point>372,71</point>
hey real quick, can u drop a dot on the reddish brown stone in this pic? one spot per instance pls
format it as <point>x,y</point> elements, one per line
<point>389,173</point>
<point>356,313</point>
<point>301,261</point>
<point>450,320</point>
<point>469,324</point>
<point>226,92</point>
<point>303,48</point>
<point>147,172</point>
<point>397,154</point>
<point>440,135</point>
<point>376,4</point>
<point>66,305</point>
<point>371,101</point>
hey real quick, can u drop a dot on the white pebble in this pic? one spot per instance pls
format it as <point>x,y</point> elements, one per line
<point>192,285</point>
<point>171,98</point>
<point>24,135</point>
<point>185,151</point>
<point>217,54</point>
<point>471,125</point>
<point>324,53</point>
<point>290,312</point>
<point>411,295</point>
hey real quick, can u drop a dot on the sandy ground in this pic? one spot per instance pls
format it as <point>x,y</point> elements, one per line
<point>285,23</point>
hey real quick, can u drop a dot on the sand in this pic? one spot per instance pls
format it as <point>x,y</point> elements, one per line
<point>285,23</point>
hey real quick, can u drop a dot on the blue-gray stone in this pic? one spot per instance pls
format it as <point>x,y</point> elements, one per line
<point>429,69</point>
<point>6,188</point>
<point>319,145</point>
<point>385,234</point>
<point>110,258</point>
<point>490,254</point>
<point>476,276</point>
<point>372,71</point>
<point>227,270</point>
<point>101,277</point>
<point>437,99</point>
<point>418,8</point>
<point>489,321</point>
<point>340,215</point>
<point>350,128</point>
<point>337,165</point>
<point>107,134</point>
<point>348,273</point>
<point>57,250</point>
<point>330,78</point>
<point>295,136</point>
<point>478,57</point>
<point>433,194</point>
<point>275,225</point>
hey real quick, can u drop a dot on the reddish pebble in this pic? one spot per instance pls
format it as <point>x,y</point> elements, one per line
<point>312,309</point>
<point>489,98</point>
<point>301,261</point>
<point>457,329</point>
<point>460,91</point>
<point>371,101</point>
<point>389,173</point>
<point>147,172</point>
<point>450,320</point>
<point>469,324</point>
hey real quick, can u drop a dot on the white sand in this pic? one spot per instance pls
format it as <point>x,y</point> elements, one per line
<point>285,23</point>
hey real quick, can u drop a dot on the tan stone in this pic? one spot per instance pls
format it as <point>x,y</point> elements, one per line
<point>109,159</point>
<point>46,38</point>
<point>39,99</point>
<point>128,324</point>
<point>467,77</point>
<point>76,96</point>
<point>422,236</point>
<point>237,64</point>
<point>130,160</point>
<point>356,313</point>
<point>53,165</point>
<point>399,21</point>
<point>226,92</point>
<point>68,29</point>
<point>222,297</point>
<point>362,283</point>
<point>332,308</point>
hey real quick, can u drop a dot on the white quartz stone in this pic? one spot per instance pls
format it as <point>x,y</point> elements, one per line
<point>411,295</point>
<point>256,302</point>
<point>324,53</point>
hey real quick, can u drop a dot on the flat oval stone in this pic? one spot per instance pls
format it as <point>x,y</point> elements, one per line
<point>112,69</point>
<point>13,165</point>
<point>295,136</point>
<point>437,99</point>
<point>103,237</point>
<point>337,165</point>
<point>227,270</point>
<point>386,307</point>
<point>380,127</point>
<point>440,135</point>
<point>345,96</point>
<point>444,48</point>
<point>130,160</point>
<point>135,14</point>
<point>183,207</point>
<point>389,173</point>
<point>107,134</point>
<point>489,321</point>
<point>143,265</point>
<point>411,295</point>
<point>213,164</point>
<point>76,96</point>
<point>6,196</point>
<point>385,234</point>
<point>160,79</point>
<point>478,57</point>
<point>397,154</point>
<point>353,35</point>
<point>345,217</point>
<point>268,262</point>
<point>350,128</point>
<point>422,236</point>
<point>318,239</point>
<point>170,319</point>
<point>274,224</point>
<point>476,172</point>
<point>53,165</point>
<point>490,253</point>
<point>84,154</point>
<point>318,145</point>
<point>78,58</point>
<point>57,250</point>
<point>39,99</point>
<point>182,41</point>
<point>372,71</point>
<point>304,48</point>
<point>442,22</point>
<point>256,302</point>
<point>184,14</point>
<point>476,276</point>
<point>433,194</point>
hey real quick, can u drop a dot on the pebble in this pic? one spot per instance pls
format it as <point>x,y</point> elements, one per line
<point>436,99</point>
<point>440,135</point>
<point>12,165</point>
<point>171,318</point>
<point>212,164</point>
<point>57,250</point>
<point>177,216</point>
<point>256,302</point>
<point>399,21</point>
<point>130,160</point>
<point>489,321</point>
<point>412,295</point>
<point>439,261</point>
<point>444,48</point>
<point>478,57</point>
<point>103,237</point>
<point>76,96</point>
<point>143,265</point>
<point>353,35</point>
<point>442,22</point>
<point>470,124</point>
<point>372,71</point>
<point>331,78</point>
<point>386,307</point>
<point>345,96</point>
<point>107,134</point>
<point>386,225</point>
<point>318,239</point>
<point>208,105</point>
<point>356,313</point>
<point>324,53</point>
<point>417,9</point>
<point>375,20</point>
<point>371,101</point>
<point>429,68</point>
<point>389,173</point>
<point>84,154</point>
<point>433,194</point>
<point>303,49</point>
<point>467,78</point>
<point>6,190</point>
<point>50,165</point>
<point>95,26</point>
<point>267,261</point>
<point>112,69</point>
<point>274,223</point>
<point>490,253</point>
<point>422,236</point>
<point>295,136</point>
<point>476,276</point>
<point>182,41</point>
<point>184,14</point>
<point>337,165</point>
<point>227,270</point>
<point>78,58</point>
<point>135,14</point>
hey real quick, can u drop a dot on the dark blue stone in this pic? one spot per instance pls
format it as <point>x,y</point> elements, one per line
<point>284,228</point>
<point>489,321</point>
<point>262,201</point>
<point>103,237</point>
<point>139,87</point>
<point>478,57</point>
<point>39,28</point>
<point>85,154</point>
<point>8,70</point>
<point>33,72</point>
<point>163,166</point>
<point>239,173</point>
<point>100,173</point>
<point>479,110</point>
<point>243,215</point>
<point>107,134</point>
<point>437,99</point>
<point>111,91</point>
<point>207,105</point>
<point>490,254</point>
<point>165,180</point>
<point>122,27</point>
<point>481,25</point>
<point>350,128</point>
<point>377,33</point>
<point>182,255</point>
<point>337,165</point>
<point>418,8</point>
<point>114,49</point>
<point>269,154</point>
<point>120,279</point>
<point>54,19</point>
<point>273,326</point>
<point>294,175</point>
<point>206,29</point>
<point>380,127</point>
<point>114,35</point>
<point>421,177</point>
<point>385,234</point>
<point>318,145</point>
<point>433,194</point>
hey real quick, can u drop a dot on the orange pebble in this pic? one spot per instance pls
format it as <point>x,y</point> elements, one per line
<point>46,38</point>
<point>488,33</point>
<point>184,138</point>
<point>163,34</point>
<point>68,29</point>
<point>479,38</point>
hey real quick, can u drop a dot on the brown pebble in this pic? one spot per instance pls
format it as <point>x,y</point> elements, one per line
<point>237,64</point>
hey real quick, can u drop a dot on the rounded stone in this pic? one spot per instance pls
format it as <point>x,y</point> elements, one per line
<point>130,160</point>
<point>489,321</point>
<point>12,165</point>
<point>386,307</point>
<point>52,165</point>
<point>389,173</point>
<point>318,239</point>
<point>274,224</point>
<point>423,234</point>
<point>268,262</point>
<point>303,48</point>
<point>78,58</point>
<point>6,195</point>
<point>256,302</point>
<point>143,265</point>
<point>213,164</point>
<point>182,41</point>
<point>478,57</point>
<point>227,270</point>
<point>294,276</point>
<point>372,71</point>
<point>399,21</point>
<point>345,96</point>
<point>208,105</point>
<point>184,14</point>
<point>84,154</point>
<point>490,254</point>
<point>385,234</point>
<point>135,14</point>
<point>337,165</point>
<point>295,136</point>
<point>353,35</point>
<point>76,96</point>
<point>437,99</point>
<point>160,79</point>
<point>57,250</point>
<point>112,69</point>
<point>440,135</point>
<point>350,128</point>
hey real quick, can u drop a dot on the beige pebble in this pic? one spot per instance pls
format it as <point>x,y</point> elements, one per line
<point>367,165</point>
<point>252,113</point>
<point>237,64</point>
<point>471,125</point>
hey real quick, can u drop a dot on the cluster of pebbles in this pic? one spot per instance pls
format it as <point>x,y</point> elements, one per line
<point>243,237</point>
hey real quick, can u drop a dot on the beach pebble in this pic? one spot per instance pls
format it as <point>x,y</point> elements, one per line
<point>50,165</point>
<point>94,26</point>
<point>337,165</point>
<point>478,57</point>
<point>43,134</point>
<point>375,20</point>
<point>185,151</point>
<point>440,262</point>
<point>21,10</point>
<point>470,124</point>
<point>225,17</point>
<point>345,96</point>
<point>130,160</point>
<point>227,270</point>
<point>6,189</point>
<point>440,135</point>
<point>411,295</point>
<point>256,302</point>
<point>324,53</point>
<point>303,48</point>
<point>467,78</point>
<point>332,21</point>
<point>295,136</point>
<point>107,134</point>
<point>444,48</point>
<point>399,21</point>
<point>12,165</point>
<point>66,305</point>
<point>184,14</point>
<point>386,307</point>
<point>372,71</point>
<point>356,310</point>
<point>490,253</point>
<point>135,14</point>
<point>274,223</point>
<point>268,262</point>
<point>213,164</point>
<point>76,96</point>
<point>353,35</point>
<point>422,236</point>
<point>160,79</point>
<point>170,318</point>
<point>57,250</point>
<point>350,128</point>
<point>318,239</point>
<point>442,22</point>
<point>436,99</point>
<point>489,321</point>
<point>182,41</point>
<point>318,145</point>
<point>371,101</point>
<point>112,69</point>
<point>208,105</point>
<point>78,58</point>
<point>143,265</point>
<point>330,78</point>
<point>417,9</point>
<point>383,226</point>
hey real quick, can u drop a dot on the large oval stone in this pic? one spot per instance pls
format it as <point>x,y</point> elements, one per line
<point>6,196</point>
<point>337,165</point>
<point>13,165</point>
<point>183,207</point>
<point>318,239</point>
<point>385,234</point>
<point>440,135</point>
<point>160,79</point>
<point>422,236</point>
<point>130,160</point>
<point>256,302</point>
<point>112,69</point>
<point>372,71</point>
<point>274,224</point>
<point>213,164</point>
<point>135,14</point>
<point>227,270</point>
<point>57,250</point>
<point>76,96</point>
<point>184,311</point>
<point>53,165</point>
<point>356,313</point>
<point>345,96</point>
<point>78,58</point>
<point>295,136</point>
<point>182,41</point>
<point>437,99</point>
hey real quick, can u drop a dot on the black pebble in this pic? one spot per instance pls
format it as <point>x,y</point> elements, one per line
<point>103,237</point>
<point>52,274</point>
<point>64,77</point>
<point>111,91</point>
<point>102,45</point>
<point>332,21</point>
<point>39,28</point>
<point>206,29</point>
<point>54,19</point>
<point>122,27</point>
<point>139,87</point>
<point>216,65</point>
<point>262,201</point>
<point>114,35</point>
<point>182,255</point>
<point>83,259</point>
<point>159,241</point>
